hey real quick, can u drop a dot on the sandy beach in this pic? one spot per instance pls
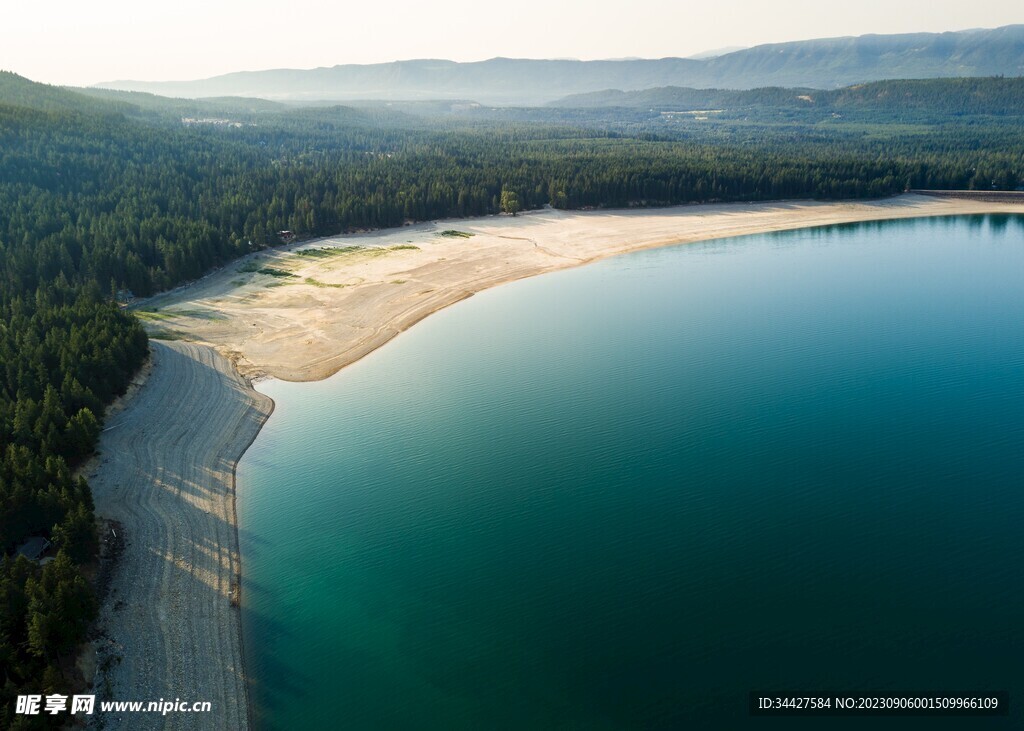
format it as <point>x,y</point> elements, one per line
<point>166,474</point>
<point>301,313</point>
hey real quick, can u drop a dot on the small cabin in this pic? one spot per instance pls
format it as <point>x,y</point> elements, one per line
<point>33,548</point>
<point>286,236</point>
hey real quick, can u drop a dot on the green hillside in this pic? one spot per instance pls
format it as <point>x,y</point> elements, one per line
<point>922,98</point>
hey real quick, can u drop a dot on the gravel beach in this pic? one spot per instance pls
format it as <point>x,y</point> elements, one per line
<point>166,473</point>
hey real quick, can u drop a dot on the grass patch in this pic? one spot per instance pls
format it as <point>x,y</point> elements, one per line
<point>398,281</point>
<point>327,252</point>
<point>250,266</point>
<point>404,247</point>
<point>152,315</point>
<point>451,233</point>
<point>270,271</point>
<point>318,283</point>
<point>201,314</point>
<point>166,335</point>
<point>334,252</point>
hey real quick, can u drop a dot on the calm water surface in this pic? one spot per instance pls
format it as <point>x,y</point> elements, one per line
<point>625,495</point>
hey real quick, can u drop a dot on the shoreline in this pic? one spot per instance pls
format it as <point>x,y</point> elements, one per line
<point>168,624</point>
<point>304,312</point>
<point>236,598</point>
<point>224,362</point>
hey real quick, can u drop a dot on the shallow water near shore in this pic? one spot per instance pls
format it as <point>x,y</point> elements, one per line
<point>624,496</point>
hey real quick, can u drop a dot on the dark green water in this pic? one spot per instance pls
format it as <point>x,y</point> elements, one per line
<point>624,496</point>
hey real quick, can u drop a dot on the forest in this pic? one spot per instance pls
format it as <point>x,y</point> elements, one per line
<point>102,195</point>
<point>935,100</point>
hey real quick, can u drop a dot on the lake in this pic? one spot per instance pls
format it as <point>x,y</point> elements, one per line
<point>624,496</point>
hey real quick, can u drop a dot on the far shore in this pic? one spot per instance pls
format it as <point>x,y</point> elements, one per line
<point>304,312</point>
<point>166,466</point>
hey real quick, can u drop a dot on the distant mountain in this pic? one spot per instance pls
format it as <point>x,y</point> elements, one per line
<point>821,64</point>
<point>151,109</point>
<point>186,107</point>
<point>18,91</point>
<point>499,80</point>
<point>992,96</point>
<point>833,62</point>
<point>716,52</point>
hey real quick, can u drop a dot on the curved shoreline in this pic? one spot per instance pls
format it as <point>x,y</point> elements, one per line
<point>297,317</point>
<point>216,312</point>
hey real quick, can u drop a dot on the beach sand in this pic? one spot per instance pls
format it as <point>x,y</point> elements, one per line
<point>311,314</point>
<point>167,458</point>
<point>166,474</point>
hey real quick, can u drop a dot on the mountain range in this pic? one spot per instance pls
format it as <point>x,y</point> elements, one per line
<point>821,64</point>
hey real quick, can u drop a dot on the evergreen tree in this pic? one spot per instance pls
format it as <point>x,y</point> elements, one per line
<point>60,608</point>
<point>510,202</point>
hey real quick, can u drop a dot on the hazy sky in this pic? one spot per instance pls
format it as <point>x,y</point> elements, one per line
<point>82,42</point>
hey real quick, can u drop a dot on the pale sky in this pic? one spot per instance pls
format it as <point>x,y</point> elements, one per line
<point>81,42</point>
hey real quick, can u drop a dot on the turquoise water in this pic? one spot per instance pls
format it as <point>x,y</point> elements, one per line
<point>623,496</point>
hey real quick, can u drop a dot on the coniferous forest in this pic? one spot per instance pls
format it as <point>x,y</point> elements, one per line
<point>105,193</point>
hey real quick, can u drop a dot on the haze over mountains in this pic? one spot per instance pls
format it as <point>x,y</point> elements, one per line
<point>821,64</point>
